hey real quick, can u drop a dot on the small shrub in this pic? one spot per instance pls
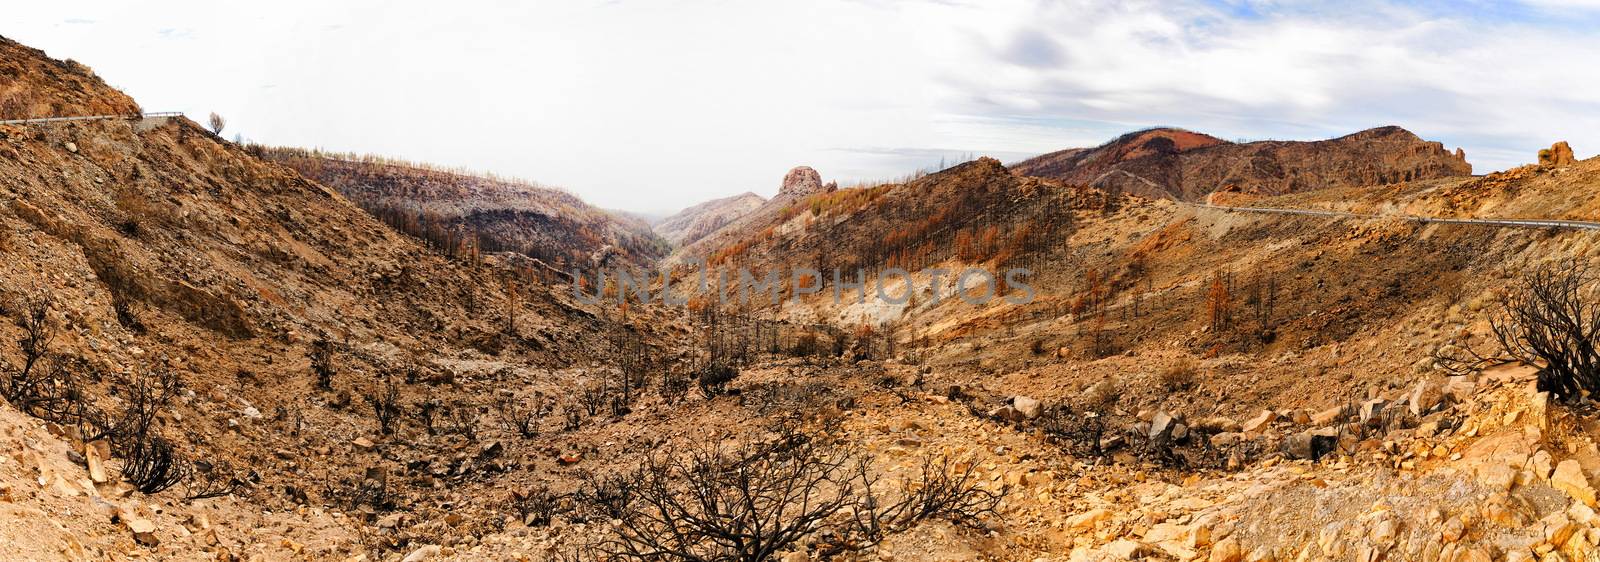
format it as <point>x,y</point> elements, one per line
<point>1180,376</point>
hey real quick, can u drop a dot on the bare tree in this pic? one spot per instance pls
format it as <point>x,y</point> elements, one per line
<point>217,123</point>
<point>747,503</point>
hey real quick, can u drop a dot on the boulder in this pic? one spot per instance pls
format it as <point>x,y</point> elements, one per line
<point>1372,410</point>
<point>1028,407</point>
<point>1569,478</point>
<point>1226,550</point>
<point>1161,424</point>
<point>424,553</point>
<point>1311,444</point>
<point>1427,395</point>
<point>95,459</point>
<point>1088,519</point>
<point>1541,464</point>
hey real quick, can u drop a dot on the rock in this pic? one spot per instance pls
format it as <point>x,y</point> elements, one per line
<point>1007,413</point>
<point>1569,478</point>
<point>73,147</point>
<point>5,492</point>
<point>1160,424</point>
<point>1384,531</point>
<point>492,450</point>
<point>1311,444</point>
<point>801,182</point>
<point>1328,416</point>
<point>1371,410</point>
<point>1541,464</point>
<point>1226,550</point>
<point>252,413</point>
<point>1558,528</point>
<point>1260,422</point>
<point>1459,388</point>
<point>1180,432</point>
<point>1427,395</point>
<point>1300,417</point>
<point>96,464</point>
<point>1497,476</point>
<point>1558,155</point>
<point>1217,424</point>
<point>144,531</point>
<point>1452,530</point>
<point>1028,407</point>
<point>1125,549</point>
<point>362,444</point>
<point>391,521</point>
<point>570,458</point>
<point>423,553</point>
<point>1088,519</point>
<point>1539,408</point>
<point>1260,554</point>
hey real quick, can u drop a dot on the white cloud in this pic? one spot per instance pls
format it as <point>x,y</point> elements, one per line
<point>653,105</point>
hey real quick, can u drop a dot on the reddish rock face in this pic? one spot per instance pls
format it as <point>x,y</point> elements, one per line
<point>1186,165</point>
<point>800,182</point>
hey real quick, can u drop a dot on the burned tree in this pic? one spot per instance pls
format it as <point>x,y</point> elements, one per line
<point>385,404</point>
<point>1549,316</point>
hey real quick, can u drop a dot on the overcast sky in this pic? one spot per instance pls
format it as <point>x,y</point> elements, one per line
<point>655,105</point>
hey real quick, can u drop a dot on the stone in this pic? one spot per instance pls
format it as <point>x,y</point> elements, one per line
<point>362,443</point>
<point>1224,439</point>
<point>1260,422</point>
<point>1260,554</point>
<point>1007,413</point>
<point>1384,531</point>
<point>96,464</point>
<point>144,531</point>
<point>1125,549</point>
<point>1301,417</point>
<point>1311,444</point>
<point>391,521</point>
<point>1558,528</point>
<point>1569,478</point>
<point>1452,530</point>
<point>1541,464</point>
<point>1427,395</point>
<point>423,553</point>
<point>1459,388</point>
<point>1371,411</point>
<point>1497,476</point>
<point>1088,519</point>
<point>1217,424</point>
<point>1160,424</point>
<point>72,147</point>
<point>1539,408</point>
<point>1028,407</point>
<point>1328,416</point>
<point>1226,550</point>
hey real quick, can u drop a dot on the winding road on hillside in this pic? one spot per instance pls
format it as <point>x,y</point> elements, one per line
<point>1512,223</point>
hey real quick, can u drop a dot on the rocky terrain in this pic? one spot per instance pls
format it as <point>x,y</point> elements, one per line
<point>1188,165</point>
<point>694,223</point>
<point>212,352</point>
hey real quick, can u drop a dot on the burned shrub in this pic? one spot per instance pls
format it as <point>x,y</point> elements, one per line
<point>385,402</point>
<point>944,489</point>
<point>1179,376</point>
<point>745,503</point>
<point>521,418</point>
<point>1550,316</point>
<point>538,506</point>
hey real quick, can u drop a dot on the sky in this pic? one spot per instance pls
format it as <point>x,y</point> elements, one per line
<point>651,106</point>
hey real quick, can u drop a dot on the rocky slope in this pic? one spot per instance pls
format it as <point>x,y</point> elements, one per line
<point>34,85</point>
<point>1187,165</point>
<point>694,223</point>
<point>798,184</point>
<point>453,208</point>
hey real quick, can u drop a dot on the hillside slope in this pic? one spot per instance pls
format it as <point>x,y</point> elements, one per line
<point>695,222</point>
<point>1188,165</point>
<point>452,208</point>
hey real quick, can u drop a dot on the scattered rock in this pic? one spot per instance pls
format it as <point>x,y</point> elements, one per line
<point>362,444</point>
<point>1427,395</point>
<point>96,463</point>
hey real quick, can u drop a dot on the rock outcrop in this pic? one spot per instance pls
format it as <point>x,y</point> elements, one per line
<point>1173,163</point>
<point>1558,155</point>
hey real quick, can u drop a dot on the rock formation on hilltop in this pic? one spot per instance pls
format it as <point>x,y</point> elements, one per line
<point>1187,165</point>
<point>798,184</point>
<point>1558,155</point>
<point>694,223</point>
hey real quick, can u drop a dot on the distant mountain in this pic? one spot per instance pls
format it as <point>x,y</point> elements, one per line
<point>453,207</point>
<point>1188,165</point>
<point>696,222</point>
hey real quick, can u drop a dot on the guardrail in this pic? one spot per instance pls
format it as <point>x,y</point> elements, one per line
<point>1514,223</point>
<point>152,115</point>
